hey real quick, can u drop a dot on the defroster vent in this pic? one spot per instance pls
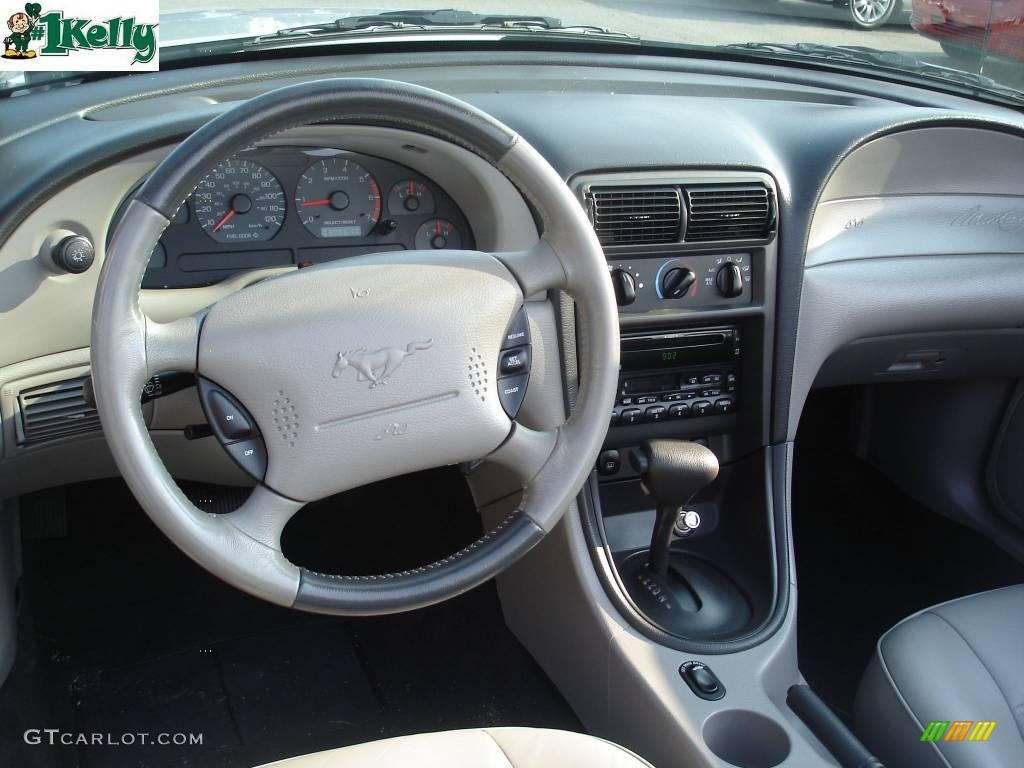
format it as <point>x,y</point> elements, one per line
<point>728,212</point>
<point>56,410</point>
<point>626,215</point>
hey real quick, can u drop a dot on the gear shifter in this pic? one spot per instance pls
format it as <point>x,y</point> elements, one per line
<point>673,472</point>
<point>683,593</point>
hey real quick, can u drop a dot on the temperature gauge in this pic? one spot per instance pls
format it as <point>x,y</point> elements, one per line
<point>437,234</point>
<point>410,197</point>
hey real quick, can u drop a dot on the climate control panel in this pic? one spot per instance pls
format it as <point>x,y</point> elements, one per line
<point>682,282</point>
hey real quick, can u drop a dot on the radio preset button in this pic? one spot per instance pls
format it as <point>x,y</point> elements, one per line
<point>656,413</point>
<point>725,405</point>
<point>631,416</point>
<point>700,408</point>
<point>679,411</point>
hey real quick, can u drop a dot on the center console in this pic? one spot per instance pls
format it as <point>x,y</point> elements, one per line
<point>691,257</point>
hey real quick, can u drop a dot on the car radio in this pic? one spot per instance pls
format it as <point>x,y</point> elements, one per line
<point>677,375</point>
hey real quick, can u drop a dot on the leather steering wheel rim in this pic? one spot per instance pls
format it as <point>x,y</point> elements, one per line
<point>243,547</point>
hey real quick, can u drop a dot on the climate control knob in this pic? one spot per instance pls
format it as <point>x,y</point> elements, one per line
<point>625,287</point>
<point>676,282</point>
<point>729,280</point>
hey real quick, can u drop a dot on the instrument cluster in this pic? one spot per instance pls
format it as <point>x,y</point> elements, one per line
<point>279,206</point>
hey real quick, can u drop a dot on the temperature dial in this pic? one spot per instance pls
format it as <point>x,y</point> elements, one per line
<point>676,282</point>
<point>437,234</point>
<point>410,196</point>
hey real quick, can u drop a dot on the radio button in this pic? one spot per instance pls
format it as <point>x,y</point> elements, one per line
<point>646,400</point>
<point>679,411</point>
<point>710,392</point>
<point>656,413</point>
<point>730,382</point>
<point>725,405</point>
<point>631,416</point>
<point>711,378</point>
<point>700,408</point>
<point>625,401</point>
<point>673,397</point>
<point>614,420</point>
<point>692,380</point>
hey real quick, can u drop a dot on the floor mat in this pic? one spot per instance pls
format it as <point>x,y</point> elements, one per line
<point>121,633</point>
<point>867,555</point>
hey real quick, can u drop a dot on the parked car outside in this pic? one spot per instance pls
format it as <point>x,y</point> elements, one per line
<point>973,29</point>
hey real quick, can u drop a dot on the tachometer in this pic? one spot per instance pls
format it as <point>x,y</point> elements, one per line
<point>337,197</point>
<point>240,201</point>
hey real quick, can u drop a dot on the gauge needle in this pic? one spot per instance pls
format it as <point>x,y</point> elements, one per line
<point>311,203</point>
<point>225,220</point>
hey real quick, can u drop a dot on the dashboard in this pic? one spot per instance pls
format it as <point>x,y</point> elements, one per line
<point>842,170</point>
<point>279,206</point>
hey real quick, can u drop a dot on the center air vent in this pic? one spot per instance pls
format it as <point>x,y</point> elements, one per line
<point>728,212</point>
<point>625,215</point>
<point>55,410</point>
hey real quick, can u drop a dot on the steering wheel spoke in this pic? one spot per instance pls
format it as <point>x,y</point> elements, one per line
<point>525,452</point>
<point>537,269</point>
<point>264,515</point>
<point>172,346</point>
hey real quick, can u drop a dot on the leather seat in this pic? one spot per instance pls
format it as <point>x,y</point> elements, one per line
<point>957,661</point>
<point>478,748</point>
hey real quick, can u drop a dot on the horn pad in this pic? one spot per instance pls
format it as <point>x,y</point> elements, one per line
<point>366,368</point>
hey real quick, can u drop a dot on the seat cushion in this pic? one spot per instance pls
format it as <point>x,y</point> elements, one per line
<point>958,661</point>
<point>478,748</point>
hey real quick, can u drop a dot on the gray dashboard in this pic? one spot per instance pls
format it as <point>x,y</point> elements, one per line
<point>586,114</point>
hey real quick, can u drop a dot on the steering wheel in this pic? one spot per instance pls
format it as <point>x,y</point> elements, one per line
<point>358,369</point>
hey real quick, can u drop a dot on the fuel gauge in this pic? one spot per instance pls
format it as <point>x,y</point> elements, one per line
<point>410,196</point>
<point>437,234</point>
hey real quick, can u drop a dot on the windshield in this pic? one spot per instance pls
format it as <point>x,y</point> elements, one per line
<point>933,38</point>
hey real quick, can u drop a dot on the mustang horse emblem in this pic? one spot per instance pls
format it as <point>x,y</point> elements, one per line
<point>377,366</point>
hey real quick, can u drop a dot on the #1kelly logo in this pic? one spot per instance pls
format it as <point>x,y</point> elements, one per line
<point>57,40</point>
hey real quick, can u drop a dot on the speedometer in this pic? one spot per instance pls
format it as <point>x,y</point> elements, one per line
<point>240,201</point>
<point>337,197</point>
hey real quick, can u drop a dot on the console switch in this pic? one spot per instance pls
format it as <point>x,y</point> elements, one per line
<point>702,680</point>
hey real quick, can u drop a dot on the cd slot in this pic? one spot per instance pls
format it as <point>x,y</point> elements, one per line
<point>679,349</point>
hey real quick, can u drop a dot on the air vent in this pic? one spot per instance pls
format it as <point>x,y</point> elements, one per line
<point>728,212</point>
<point>626,215</point>
<point>56,410</point>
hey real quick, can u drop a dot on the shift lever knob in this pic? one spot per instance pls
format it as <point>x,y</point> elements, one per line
<point>674,471</point>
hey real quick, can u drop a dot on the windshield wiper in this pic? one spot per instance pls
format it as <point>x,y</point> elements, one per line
<point>889,60</point>
<point>448,20</point>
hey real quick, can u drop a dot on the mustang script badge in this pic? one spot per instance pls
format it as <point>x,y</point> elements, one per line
<point>377,366</point>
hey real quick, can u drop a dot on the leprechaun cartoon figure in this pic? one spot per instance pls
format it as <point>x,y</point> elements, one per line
<point>21,24</point>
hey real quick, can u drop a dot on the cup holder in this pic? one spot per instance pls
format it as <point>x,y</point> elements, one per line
<point>746,739</point>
